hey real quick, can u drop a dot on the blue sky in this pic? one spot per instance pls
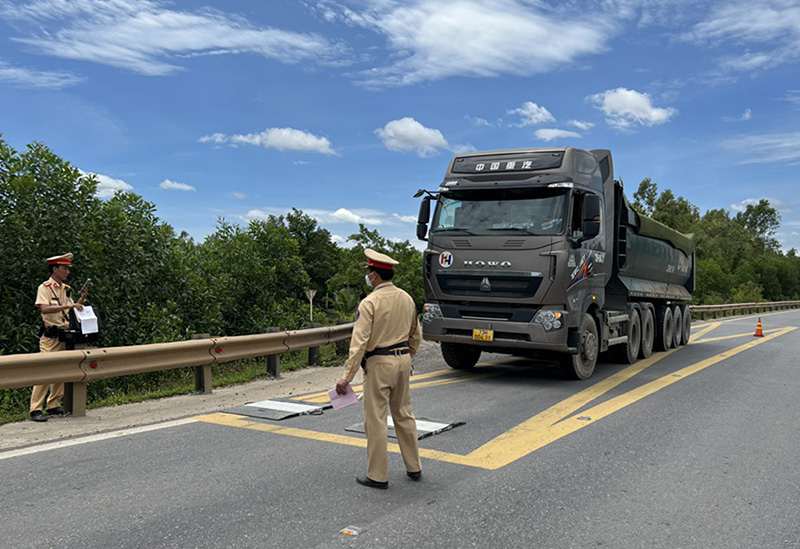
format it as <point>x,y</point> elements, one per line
<point>241,109</point>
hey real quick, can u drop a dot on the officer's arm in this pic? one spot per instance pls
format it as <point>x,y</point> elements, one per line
<point>47,309</point>
<point>44,305</point>
<point>358,342</point>
<point>415,335</point>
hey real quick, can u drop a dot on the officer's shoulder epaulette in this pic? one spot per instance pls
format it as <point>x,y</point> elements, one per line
<point>67,286</point>
<point>46,283</point>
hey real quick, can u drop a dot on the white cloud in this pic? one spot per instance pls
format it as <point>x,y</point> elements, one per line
<point>175,186</point>
<point>406,134</point>
<point>436,39</point>
<point>405,218</point>
<point>237,195</point>
<point>25,77</point>
<point>218,138</point>
<point>739,27</point>
<point>581,125</point>
<point>147,37</point>
<point>478,121</point>
<point>551,134</point>
<point>107,186</point>
<point>774,202</point>
<point>626,109</point>
<point>793,97</point>
<point>746,115</point>
<point>276,138</point>
<point>532,114</point>
<point>332,217</point>
<point>766,148</point>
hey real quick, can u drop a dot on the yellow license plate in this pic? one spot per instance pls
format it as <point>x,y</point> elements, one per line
<point>482,335</point>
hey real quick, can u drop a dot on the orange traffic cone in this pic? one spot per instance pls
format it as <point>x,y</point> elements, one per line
<point>758,333</point>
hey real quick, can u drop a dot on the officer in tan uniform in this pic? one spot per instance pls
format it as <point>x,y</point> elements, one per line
<point>387,334</point>
<point>54,300</point>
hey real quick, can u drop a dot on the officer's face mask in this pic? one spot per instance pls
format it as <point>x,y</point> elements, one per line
<point>369,282</point>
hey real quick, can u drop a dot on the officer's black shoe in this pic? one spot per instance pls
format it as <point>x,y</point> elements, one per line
<point>37,415</point>
<point>414,475</point>
<point>366,481</point>
<point>57,411</point>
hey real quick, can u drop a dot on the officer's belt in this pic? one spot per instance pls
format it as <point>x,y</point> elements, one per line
<point>397,349</point>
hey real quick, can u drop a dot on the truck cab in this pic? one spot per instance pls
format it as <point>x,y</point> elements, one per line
<point>521,256</point>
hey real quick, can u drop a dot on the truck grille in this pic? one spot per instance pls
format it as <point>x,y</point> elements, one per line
<point>488,285</point>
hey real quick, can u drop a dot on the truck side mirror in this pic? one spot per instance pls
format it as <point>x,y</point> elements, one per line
<point>591,216</point>
<point>423,217</point>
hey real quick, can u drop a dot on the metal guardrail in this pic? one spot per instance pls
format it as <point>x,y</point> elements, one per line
<point>76,368</point>
<point>748,308</point>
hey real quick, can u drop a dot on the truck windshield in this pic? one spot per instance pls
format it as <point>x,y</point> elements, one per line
<point>491,212</point>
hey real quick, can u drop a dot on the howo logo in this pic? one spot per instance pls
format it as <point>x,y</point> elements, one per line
<point>488,264</point>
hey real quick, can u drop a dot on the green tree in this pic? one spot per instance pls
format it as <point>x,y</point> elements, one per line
<point>319,253</point>
<point>644,199</point>
<point>761,221</point>
<point>348,282</point>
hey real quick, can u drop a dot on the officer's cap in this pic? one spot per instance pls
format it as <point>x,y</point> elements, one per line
<point>65,259</point>
<point>379,260</point>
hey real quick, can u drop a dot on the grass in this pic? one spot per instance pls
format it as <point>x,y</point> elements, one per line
<point>154,385</point>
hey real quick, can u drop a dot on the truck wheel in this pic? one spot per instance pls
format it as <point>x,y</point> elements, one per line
<point>677,322</point>
<point>460,356</point>
<point>627,353</point>
<point>687,324</point>
<point>648,332</point>
<point>663,339</point>
<point>581,365</point>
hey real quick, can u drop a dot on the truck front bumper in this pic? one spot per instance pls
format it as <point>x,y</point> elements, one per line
<point>505,334</point>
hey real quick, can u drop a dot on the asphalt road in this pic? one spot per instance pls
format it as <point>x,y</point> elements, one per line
<point>693,448</point>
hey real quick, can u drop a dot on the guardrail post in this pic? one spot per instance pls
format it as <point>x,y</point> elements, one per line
<point>273,361</point>
<point>75,398</point>
<point>75,392</point>
<point>202,373</point>
<point>313,352</point>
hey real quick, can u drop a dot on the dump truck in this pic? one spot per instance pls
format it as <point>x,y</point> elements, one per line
<point>536,252</point>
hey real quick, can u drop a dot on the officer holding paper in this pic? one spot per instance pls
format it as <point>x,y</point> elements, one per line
<point>387,334</point>
<point>54,300</point>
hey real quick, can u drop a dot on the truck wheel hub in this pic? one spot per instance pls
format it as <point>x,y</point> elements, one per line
<point>589,347</point>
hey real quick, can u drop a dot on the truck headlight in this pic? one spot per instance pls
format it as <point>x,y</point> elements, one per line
<point>431,311</point>
<point>550,320</point>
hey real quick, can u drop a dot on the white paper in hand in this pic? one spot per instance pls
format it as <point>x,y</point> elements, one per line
<point>340,401</point>
<point>87,319</point>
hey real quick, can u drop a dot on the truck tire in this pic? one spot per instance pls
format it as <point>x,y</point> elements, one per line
<point>648,332</point>
<point>581,365</point>
<point>677,322</point>
<point>460,356</point>
<point>627,353</point>
<point>687,324</point>
<point>664,327</point>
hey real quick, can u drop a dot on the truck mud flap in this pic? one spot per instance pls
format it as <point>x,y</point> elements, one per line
<point>278,409</point>
<point>425,427</point>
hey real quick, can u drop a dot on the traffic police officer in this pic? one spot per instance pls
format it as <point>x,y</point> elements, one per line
<point>386,335</point>
<point>54,300</point>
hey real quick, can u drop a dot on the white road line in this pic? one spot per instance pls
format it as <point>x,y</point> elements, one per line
<point>93,438</point>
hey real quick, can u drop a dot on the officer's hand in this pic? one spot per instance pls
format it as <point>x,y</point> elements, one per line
<point>341,386</point>
<point>78,306</point>
<point>84,291</point>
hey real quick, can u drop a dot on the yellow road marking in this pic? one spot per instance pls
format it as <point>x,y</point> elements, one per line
<point>749,334</point>
<point>703,331</point>
<point>231,420</point>
<point>453,376</point>
<point>533,433</point>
